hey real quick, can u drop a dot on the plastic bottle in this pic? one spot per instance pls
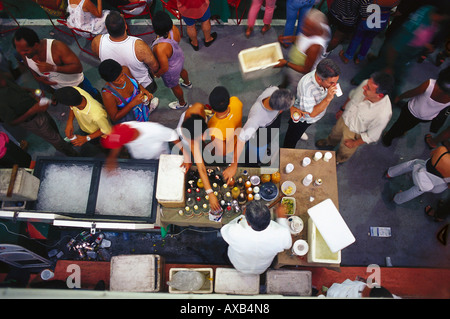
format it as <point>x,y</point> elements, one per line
<point>235,192</point>
<point>307,180</point>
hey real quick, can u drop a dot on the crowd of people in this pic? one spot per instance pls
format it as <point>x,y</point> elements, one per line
<point>119,115</point>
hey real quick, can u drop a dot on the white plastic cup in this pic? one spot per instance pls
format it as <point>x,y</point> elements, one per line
<point>289,168</point>
<point>47,274</point>
<point>306,161</point>
<point>317,156</point>
<point>327,156</point>
<point>338,90</point>
<point>307,180</point>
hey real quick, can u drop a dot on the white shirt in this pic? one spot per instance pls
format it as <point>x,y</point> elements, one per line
<point>366,118</point>
<point>309,94</point>
<point>423,106</point>
<point>251,251</point>
<point>153,140</point>
<point>348,289</point>
<point>258,116</point>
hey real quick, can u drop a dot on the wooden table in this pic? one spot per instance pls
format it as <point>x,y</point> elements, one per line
<point>167,216</point>
<point>307,196</point>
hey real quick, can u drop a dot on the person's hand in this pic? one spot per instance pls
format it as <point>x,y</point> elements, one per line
<point>281,63</point>
<point>69,130</point>
<point>186,166</point>
<point>350,143</point>
<point>331,92</point>
<point>46,80</point>
<point>137,99</point>
<point>339,114</point>
<point>299,114</point>
<point>281,211</point>
<point>45,67</point>
<point>79,141</point>
<point>229,172</point>
<point>214,202</point>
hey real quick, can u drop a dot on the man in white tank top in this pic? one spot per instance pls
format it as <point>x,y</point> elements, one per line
<point>51,62</point>
<point>128,51</point>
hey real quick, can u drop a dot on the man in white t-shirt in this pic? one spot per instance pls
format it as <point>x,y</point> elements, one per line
<point>264,113</point>
<point>254,239</point>
<point>144,140</point>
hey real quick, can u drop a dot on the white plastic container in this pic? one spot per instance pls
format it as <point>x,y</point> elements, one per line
<point>170,185</point>
<point>26,185</point>
<point>331,225</point>
<point>319,252</point>
<point>231,281</point>
<point>207,287</point>
<point>136,273</point>
<point>259,61</point>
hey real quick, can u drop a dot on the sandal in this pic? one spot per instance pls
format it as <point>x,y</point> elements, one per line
<point>343,57</point>
<point>195,47</point>
<point>248,32</point>
<point>265,28</point>
<point>428,140</point>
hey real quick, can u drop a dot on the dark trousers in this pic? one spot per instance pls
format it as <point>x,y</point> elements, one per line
<point>15,155</point>
<point>294,132</point>
<point>404,123</point>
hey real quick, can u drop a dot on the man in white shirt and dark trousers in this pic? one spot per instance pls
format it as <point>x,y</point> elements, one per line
<point>363,117</point>
<point>254,239</point>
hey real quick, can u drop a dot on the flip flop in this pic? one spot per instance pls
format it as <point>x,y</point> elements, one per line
<point>195,47</point>
<point>427,139</point>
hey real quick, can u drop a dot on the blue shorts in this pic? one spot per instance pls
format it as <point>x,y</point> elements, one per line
<point>204,18</point>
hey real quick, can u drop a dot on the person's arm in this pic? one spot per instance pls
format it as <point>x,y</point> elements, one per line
<point>69,125</point>
<point>36,108</point>
<point>322,105</point>
<point>198,160</point>
<point>231,170</point>
<point>311,57</point>
<point>145,54</point>
<point>80,140</point>
<point>95,45</point>
<point>111,159</point>
<point>162,52</point>
<point>341,109</point>
<point>91,8</point>
<point>65,59</point>
<point>413,92</point>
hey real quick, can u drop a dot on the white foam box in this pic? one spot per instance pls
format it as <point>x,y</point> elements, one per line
<point>231,281</point>
<point>136,273</point>
<point>26,185</point>
<point>207,287</point>
<point>289,282</point>
<point>319,252</point>
<point>331,225</point>
<point>259,61</point>
<point>170,184</point>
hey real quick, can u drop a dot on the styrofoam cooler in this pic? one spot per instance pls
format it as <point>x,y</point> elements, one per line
<point>331,227</point>
<point>170,185</point>
<point>26,185</point>
<point>319,252</point>
<point>136,273</point>
<point>231,281</point>
<point>259,61</point>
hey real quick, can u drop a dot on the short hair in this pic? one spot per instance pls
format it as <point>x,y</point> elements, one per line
<point>219,99</point>
<point>27,34</point>
<point>327,68</point>
<point>281,99</point>
<point>317,16</point>
<point>115,24</point>
<point>68,95</point>
<point>257,215</point>
<point>162,23</point>
<point>195,125</point>
<point>443,80</point>
<point>384,81</point>
<point>380,292</point>
<point>109,70</point>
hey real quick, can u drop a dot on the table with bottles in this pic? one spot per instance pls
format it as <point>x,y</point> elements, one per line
<point>249,183</point>
<point>321,186</point>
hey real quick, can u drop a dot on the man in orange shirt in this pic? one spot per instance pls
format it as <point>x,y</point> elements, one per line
<point>223,124</point>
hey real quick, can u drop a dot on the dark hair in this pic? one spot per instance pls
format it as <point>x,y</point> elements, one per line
<point>327,68</point>
<point>195,126</point>
<point>162,23</point>
<point>384,81</point>
<point>115,24</point>
<point>380,292</point>
<point>27,34</point>
<point>219,99</point>
<point>443,80</point>
<point>109,70</point>
<point>281,99</point>
<point>257,215</point>
<point>69,96</point>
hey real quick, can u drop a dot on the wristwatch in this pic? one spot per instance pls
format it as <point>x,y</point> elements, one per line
<point>88,138</point>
